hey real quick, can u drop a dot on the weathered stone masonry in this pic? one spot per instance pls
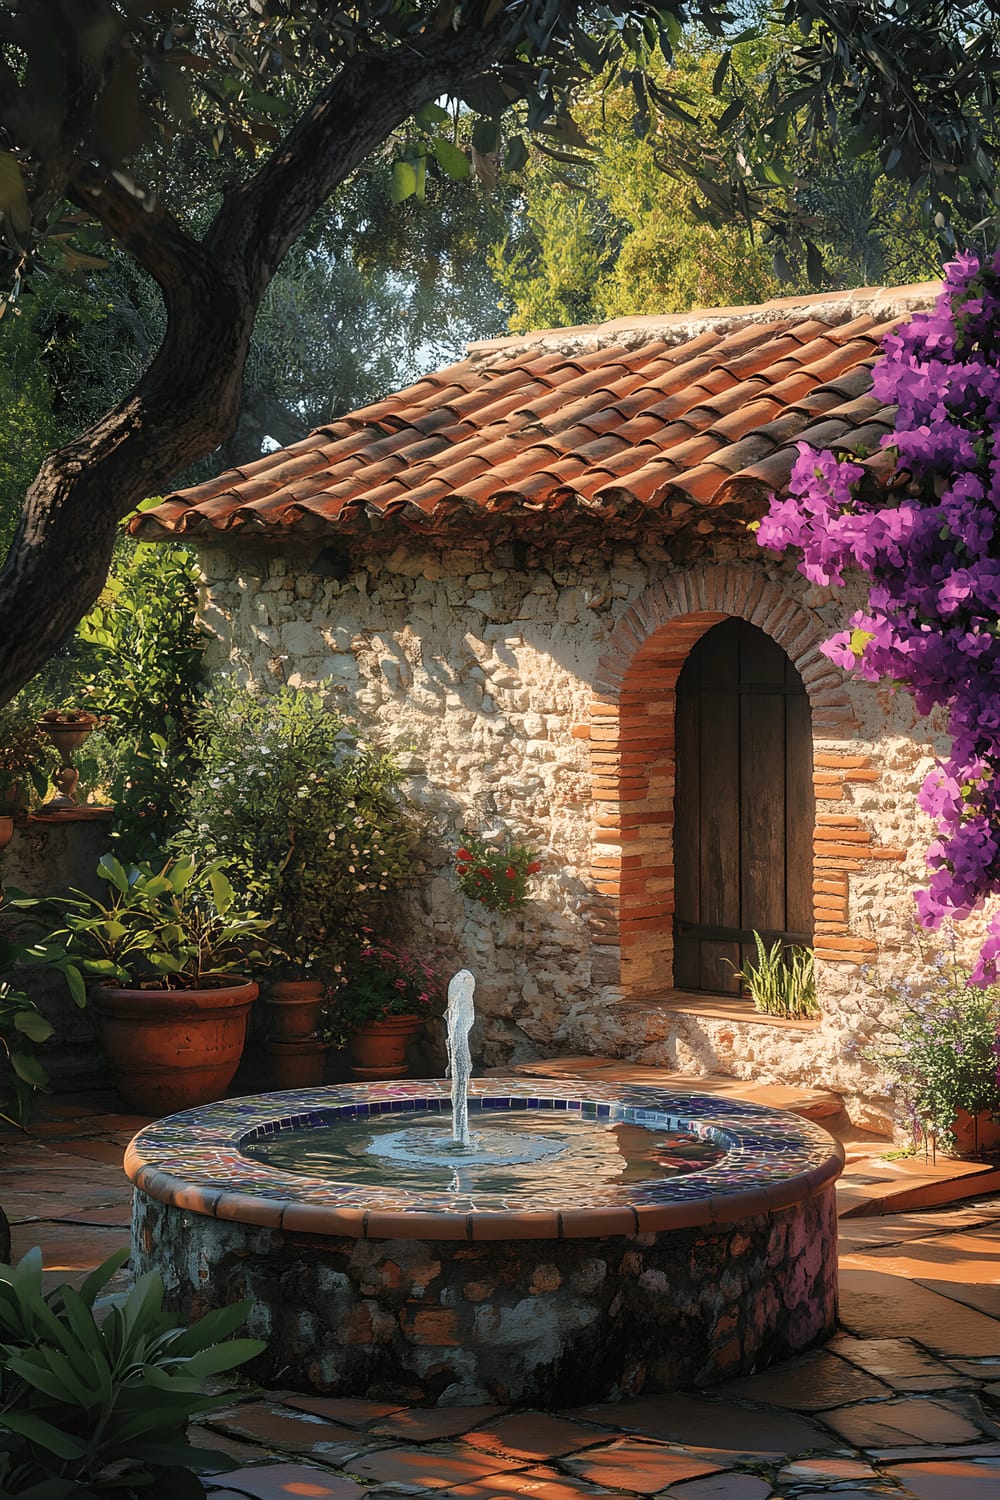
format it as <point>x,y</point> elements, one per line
<point>534,692</point>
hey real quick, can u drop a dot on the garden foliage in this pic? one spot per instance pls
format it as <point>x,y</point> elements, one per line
<point>139,667</point>
<point>174,926</point>
<point>496,877</point>
<point>136,662</point>
<point>930,552</point>
<point>386,980</point>
<point>23,1027</point>
<point>96,1393</point>
<point>308,814</point>
<point>942,1049</point>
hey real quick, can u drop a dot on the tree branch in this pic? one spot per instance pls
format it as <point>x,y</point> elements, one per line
<point>351,116</point>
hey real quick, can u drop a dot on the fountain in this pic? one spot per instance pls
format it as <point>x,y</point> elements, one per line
<point>511,1240</point>
<point>458,1019</point>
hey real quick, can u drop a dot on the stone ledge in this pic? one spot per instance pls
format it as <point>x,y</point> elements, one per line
<point>85,813</point>
<point>717,1007</point>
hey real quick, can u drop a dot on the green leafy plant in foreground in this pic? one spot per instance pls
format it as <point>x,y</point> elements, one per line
<point>23,1027</point>
<point>96,1393</point>
<point>782,982</point>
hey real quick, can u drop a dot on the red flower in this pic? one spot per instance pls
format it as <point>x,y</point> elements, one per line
<point>463,854</point>
<point>534,867</point>
<point>461,869</point>
<point>510,872</point>
<point>485,873</point>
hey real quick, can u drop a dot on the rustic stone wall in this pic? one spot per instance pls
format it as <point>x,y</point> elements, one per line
<point>506,683</point>
<point>544,1322</point>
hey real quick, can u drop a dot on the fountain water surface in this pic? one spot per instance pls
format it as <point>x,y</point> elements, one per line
<point>495,1239</point>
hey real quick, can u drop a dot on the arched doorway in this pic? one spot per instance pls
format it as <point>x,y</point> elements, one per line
<point>743,809</point>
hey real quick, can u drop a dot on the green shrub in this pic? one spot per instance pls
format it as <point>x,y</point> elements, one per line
<point>941,1049</point>
<point>136,662</point>
<point>138,665</point>
<point>309,819</point>
<point>96,1394</point>
<point>22,1025</point>
<point>27,759</point>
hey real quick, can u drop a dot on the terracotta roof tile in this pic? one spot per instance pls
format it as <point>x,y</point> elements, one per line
<point>667,423</point>
<point>702,483</point>
<point>756,411</point>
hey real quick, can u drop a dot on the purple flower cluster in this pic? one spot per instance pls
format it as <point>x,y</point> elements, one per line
<point>931,555</point>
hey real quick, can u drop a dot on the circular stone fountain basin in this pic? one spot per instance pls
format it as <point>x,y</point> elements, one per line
<point>697,1242</point>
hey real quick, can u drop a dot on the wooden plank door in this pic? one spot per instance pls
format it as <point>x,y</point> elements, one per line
<point>743,808</point>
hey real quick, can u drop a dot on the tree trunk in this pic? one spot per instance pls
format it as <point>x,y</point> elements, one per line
<point>184,406</point>
<point>188,401</point>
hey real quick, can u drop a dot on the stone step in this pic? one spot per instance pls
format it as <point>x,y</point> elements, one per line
<point>877,1186</point>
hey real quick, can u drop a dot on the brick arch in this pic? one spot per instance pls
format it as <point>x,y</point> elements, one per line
<point>632,755</point>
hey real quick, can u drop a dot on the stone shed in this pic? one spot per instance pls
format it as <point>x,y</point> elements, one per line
<point>531,574</point>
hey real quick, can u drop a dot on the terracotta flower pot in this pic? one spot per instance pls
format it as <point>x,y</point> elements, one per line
<point>296,1065</point>
<point>976,1135</point>
<point>6,830</point>
<point>378,1048</point>
<point>173,1049</point>
<point>294,1009</point>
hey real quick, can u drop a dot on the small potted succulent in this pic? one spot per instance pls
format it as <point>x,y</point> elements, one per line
<point>68,729</point>
<point>167,950</point>
<point>388,996</point>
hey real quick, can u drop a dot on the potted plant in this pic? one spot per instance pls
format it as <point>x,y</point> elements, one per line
<point>941,1057</point>
<point>388,996</point>
<point>168,949</point>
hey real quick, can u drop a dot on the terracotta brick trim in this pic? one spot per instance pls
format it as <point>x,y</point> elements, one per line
<point>632,768</point>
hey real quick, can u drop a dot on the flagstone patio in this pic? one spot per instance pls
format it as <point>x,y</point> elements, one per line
<point>903,1404</point>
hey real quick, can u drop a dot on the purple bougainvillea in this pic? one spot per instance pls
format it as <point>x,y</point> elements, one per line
<point>931,554</point>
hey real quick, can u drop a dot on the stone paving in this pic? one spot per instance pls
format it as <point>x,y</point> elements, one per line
<point>903,1404</point>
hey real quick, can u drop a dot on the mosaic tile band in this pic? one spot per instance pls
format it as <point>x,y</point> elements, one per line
<point>194,1161</point>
